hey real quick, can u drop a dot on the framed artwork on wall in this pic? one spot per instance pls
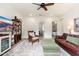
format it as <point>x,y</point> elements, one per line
<point>5,24</point>
<point>76,24</point>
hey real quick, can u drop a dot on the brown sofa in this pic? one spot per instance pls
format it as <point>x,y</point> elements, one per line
<point>67,46</point>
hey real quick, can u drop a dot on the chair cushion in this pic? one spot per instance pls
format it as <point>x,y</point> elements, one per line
<point>32,34</point>
<point>35,38</point>
<point>73,40</point>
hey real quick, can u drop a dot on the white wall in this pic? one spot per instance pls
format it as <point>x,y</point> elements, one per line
<point>7,11</point>
<point>29,23</point>
<point>69,19</point>
<point>48,27</point>
<point>32,23</point>
<point>60,26</point>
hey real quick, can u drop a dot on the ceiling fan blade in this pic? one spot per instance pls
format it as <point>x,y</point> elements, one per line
<point>36,4</point>
<point>49,4</point>
<point>44,8</point>
<point>38,8</point>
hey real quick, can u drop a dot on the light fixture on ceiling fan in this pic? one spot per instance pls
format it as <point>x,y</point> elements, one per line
<point>43,5</point>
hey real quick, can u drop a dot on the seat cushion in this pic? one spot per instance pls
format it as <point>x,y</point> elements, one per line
<point>32,34</point>
<point>35,38</point>
<point>73,40</point>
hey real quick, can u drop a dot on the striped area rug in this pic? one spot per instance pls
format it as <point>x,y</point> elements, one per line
<point>50,48</point>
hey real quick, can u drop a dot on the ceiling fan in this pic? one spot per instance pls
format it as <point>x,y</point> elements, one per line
<point>43,5</point>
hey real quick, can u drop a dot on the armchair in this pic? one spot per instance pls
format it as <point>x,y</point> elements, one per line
<point>32,37</point>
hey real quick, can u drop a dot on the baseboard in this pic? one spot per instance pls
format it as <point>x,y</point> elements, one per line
<point>24,38</point>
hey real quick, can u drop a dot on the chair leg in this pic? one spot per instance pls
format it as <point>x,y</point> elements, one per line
<point>38,40</point>
<point>32,43</point>
<point>29,40</point>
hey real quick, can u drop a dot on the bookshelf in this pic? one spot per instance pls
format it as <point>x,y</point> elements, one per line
<point>17,29</point>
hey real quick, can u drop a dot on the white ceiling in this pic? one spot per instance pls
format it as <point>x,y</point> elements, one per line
<point>29,9</point>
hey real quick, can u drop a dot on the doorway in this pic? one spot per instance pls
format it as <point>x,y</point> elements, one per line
<point>41,29</point>
<point>54,29</point>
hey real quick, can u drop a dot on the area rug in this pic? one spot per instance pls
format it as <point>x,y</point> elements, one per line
<point>50,48</point>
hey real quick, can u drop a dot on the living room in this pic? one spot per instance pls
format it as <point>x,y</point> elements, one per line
<point>48,24</point>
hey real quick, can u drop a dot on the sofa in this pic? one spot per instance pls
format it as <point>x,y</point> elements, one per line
<point>69,42</point>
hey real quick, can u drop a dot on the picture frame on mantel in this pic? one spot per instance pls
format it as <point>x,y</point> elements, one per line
<point>76,24</point>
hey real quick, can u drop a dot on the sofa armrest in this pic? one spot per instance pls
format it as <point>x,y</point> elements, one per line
<point>59,37</point>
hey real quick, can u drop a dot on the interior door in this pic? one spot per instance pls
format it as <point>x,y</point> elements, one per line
<point>41,29</point>
<point>54,28</point>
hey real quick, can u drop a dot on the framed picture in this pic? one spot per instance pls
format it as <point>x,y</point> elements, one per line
<point>76,24</point>
<point>5,24</point>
